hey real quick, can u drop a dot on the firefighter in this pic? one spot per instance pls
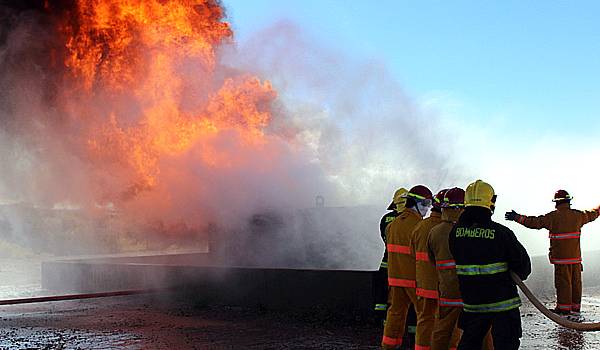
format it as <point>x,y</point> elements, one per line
<point>401,265</point>
<point>485,252</point>
<point>379,284</point>
<point>426,275</point>
<point>564,225</point>
<point>446,333</point>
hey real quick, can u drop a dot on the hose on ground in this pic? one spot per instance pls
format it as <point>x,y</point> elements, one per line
<point>78,296</point>
<point>580,326</point>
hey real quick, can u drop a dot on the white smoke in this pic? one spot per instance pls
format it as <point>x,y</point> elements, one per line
<point>342,129</point>
<point>363,130</point>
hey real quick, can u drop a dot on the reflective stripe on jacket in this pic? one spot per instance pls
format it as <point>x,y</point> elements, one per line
<point>450,302</point>
<point>485,252</point>
<point>564,226</point>
<point>500,306</point>
<point>487,269</point>
<point>401,264</point>
<point>439,254</point>
<point>426,274</point>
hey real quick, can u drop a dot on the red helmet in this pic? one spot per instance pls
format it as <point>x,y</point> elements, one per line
<point>562,196</point>
<point>438,200</point>
<point>454,198</point>
<point>420,192</point>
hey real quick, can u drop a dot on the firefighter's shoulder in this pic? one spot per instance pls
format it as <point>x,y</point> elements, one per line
<point>443,227</point>
<point>501,230</point>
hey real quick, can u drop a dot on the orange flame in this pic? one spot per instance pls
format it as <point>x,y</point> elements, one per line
<point>161,58</point>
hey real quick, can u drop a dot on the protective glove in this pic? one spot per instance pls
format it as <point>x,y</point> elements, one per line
<point>510,215</point>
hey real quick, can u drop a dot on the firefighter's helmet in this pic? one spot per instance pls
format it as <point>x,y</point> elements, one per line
<point>438,199</point>
<point>420,192</point>
<point>562,196</point>
<point>454,198</point>
<point>480,194</point>
<point>399,200</point>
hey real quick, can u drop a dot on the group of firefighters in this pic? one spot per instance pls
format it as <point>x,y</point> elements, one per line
<point>453,267</point>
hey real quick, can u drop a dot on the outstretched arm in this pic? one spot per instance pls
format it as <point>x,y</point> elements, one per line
<point>590,215</point>
<point>535,222</point>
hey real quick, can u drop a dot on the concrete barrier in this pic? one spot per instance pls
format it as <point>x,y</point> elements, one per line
<point>341,291</point>
<point>209,281</point>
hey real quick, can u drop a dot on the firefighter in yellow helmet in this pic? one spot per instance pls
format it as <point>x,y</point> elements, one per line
<point>564,225</point>
<point>484,253</point>
<point>401,264</point>
<point>426,275</point>
<point>379,284</point>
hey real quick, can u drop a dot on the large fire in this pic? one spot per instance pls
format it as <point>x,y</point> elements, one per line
<point>153,64</point>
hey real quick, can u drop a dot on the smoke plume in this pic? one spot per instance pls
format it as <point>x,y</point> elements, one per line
<point>153,121</point>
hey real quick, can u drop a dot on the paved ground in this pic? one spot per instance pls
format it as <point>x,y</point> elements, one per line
<point>150,322</point>
<point>541,333</point>
<point>153,323</point>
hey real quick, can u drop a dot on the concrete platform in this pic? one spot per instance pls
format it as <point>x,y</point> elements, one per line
<point>197,275</point>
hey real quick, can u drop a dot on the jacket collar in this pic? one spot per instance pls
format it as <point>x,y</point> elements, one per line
<point>435,214</point>
<point>450,215</point>
<point>563,206</point>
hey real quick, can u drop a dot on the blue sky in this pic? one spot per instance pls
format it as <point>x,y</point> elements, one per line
<point>536,64</point>
<point>517,83</point>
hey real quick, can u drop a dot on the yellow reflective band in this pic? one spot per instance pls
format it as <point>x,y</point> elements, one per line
<point>380,307</point>
<point>489,269</point>
<point>500,306</point>
<point>415,196</point>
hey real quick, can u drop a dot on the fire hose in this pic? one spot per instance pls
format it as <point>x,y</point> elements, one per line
<point>580,326</point>
<point>77,296</point>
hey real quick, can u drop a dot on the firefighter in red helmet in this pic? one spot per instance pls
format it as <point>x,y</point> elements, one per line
<point>426,275</point>
<point>446,333</point>
<point>564,225</point>
<point>401,264</point>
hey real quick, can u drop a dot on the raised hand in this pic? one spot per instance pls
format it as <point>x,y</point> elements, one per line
<point>511,215</point>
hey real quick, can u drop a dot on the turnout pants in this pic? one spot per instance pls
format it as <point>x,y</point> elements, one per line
<point>426,310</point>
<point>567,280</point>
<point>506,329</point>
<point>401,299</point>
<point>380,293</point>
<point>446,333</point>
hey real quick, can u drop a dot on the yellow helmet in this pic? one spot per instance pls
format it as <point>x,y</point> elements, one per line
<point>480,194</point>
<point>399,200</point>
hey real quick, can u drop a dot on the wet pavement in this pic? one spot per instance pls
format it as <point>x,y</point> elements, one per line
<point>151,322</point>
<point>541,333</point>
